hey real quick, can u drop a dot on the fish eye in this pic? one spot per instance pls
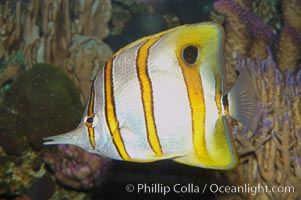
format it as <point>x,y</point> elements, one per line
<point>190,54</point>
<point>91,121</point>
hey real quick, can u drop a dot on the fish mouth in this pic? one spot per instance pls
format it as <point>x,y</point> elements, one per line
<point>75,137</point>
<point>57,139</point>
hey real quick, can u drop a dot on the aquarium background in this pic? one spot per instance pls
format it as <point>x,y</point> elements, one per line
<point>50,51</point>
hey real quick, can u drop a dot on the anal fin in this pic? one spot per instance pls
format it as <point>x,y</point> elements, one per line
<point>218,153</point>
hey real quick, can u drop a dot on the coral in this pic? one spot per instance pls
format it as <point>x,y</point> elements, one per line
<point>77,168</point>
<point>262,34</point>
<point>289,48</point>
<point>12,142</point>
<point>86,55</point>
<point>236,34</point>
<point>289,44</point>
<point>271,156</point>
<point>48,27</point>
<point>91,13</point>
<point>268,11</point>
<point>20,180</point>
<point>16,175</point>
<point>9,71</point>
<point>246,34</point>
<point>43,101</point>
<point>11,28</point>
<point>292,13</point>
<point>45,30</point>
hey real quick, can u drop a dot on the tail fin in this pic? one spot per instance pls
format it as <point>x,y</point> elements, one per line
<point>244,105</point>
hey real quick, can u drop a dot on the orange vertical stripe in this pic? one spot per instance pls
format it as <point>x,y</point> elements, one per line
<point>90,113</point>
<point>194,87</point>
<point>111,113</point>
<point>147,95</point>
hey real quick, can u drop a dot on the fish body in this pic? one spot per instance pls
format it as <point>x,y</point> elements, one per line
<point>164,97</point>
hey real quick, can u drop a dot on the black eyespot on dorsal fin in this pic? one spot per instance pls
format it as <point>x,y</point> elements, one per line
<point>190,54</point>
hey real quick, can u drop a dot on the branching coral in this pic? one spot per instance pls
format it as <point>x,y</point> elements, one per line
<point>246,34</point>
<point>271,156</point>
<point>292,13</point>
<point>289,48</point>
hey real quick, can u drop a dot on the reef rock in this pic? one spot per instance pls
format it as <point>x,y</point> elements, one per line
<point>42,102</point>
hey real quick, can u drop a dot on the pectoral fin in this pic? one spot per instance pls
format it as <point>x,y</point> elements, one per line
<point>244,105</point>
